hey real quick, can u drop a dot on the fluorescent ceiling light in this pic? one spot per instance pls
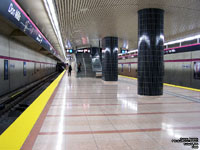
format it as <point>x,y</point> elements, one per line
<point>173,42</point>
<point>49,4</point>
<point>68,44</point>
<point>132,51</point>
<point>183,40</point>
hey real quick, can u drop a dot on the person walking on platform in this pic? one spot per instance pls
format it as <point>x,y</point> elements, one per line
<point>79,67</point>
<point>69,70</point>
<point>67,65</point>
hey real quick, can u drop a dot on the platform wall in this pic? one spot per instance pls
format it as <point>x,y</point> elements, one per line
<point>36,65</point>
<point>179,72</point>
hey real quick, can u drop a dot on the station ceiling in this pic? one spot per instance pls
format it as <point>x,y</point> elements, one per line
<point>85,22</point>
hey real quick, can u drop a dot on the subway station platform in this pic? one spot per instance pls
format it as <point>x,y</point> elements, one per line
<point>42,108</point>
<point>89,114</point>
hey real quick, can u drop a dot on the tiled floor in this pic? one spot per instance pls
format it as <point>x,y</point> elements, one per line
<point>89,114</point>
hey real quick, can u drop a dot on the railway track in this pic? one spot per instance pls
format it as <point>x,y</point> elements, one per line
<point>15,103</point>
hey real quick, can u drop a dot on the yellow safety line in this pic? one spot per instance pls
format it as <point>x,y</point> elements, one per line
<point>16,134</point>
<point>16,94</point>
<point>172,85</point>
<point>182,87</point>
<point>128,77</point>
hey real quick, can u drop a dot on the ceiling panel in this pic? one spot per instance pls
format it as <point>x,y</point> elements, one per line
<point>85,22</point>
<point>95,19</point>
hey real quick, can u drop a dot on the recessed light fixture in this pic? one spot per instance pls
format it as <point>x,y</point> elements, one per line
<point>183,40</point>
<point>84,10</point>
<point>49,4</point>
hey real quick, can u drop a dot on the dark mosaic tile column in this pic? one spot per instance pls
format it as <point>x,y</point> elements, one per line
<point>110,59</point>
<point>150,55</point>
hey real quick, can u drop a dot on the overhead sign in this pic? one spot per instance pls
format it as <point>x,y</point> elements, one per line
<point>70,51</point>
<point>83,51</point>
<point>11,10</point>
<point>123,51</point>
<point>80,50</point>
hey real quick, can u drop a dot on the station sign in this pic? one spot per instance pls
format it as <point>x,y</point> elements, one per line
<point>80,51</point>
<point>182,49</point>
<point>11,10</point>
<point>83,51</point>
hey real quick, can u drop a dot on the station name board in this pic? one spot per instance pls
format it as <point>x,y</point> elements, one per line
<point>11,10</point>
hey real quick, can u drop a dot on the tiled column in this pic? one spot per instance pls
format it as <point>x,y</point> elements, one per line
<point>110,59</point>
<point>150,51</point>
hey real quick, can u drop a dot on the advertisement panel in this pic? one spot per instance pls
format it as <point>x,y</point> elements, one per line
<point>5,69</point>
<point>24,68</point>
<point>129,67</point>
<point>197,70</point>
